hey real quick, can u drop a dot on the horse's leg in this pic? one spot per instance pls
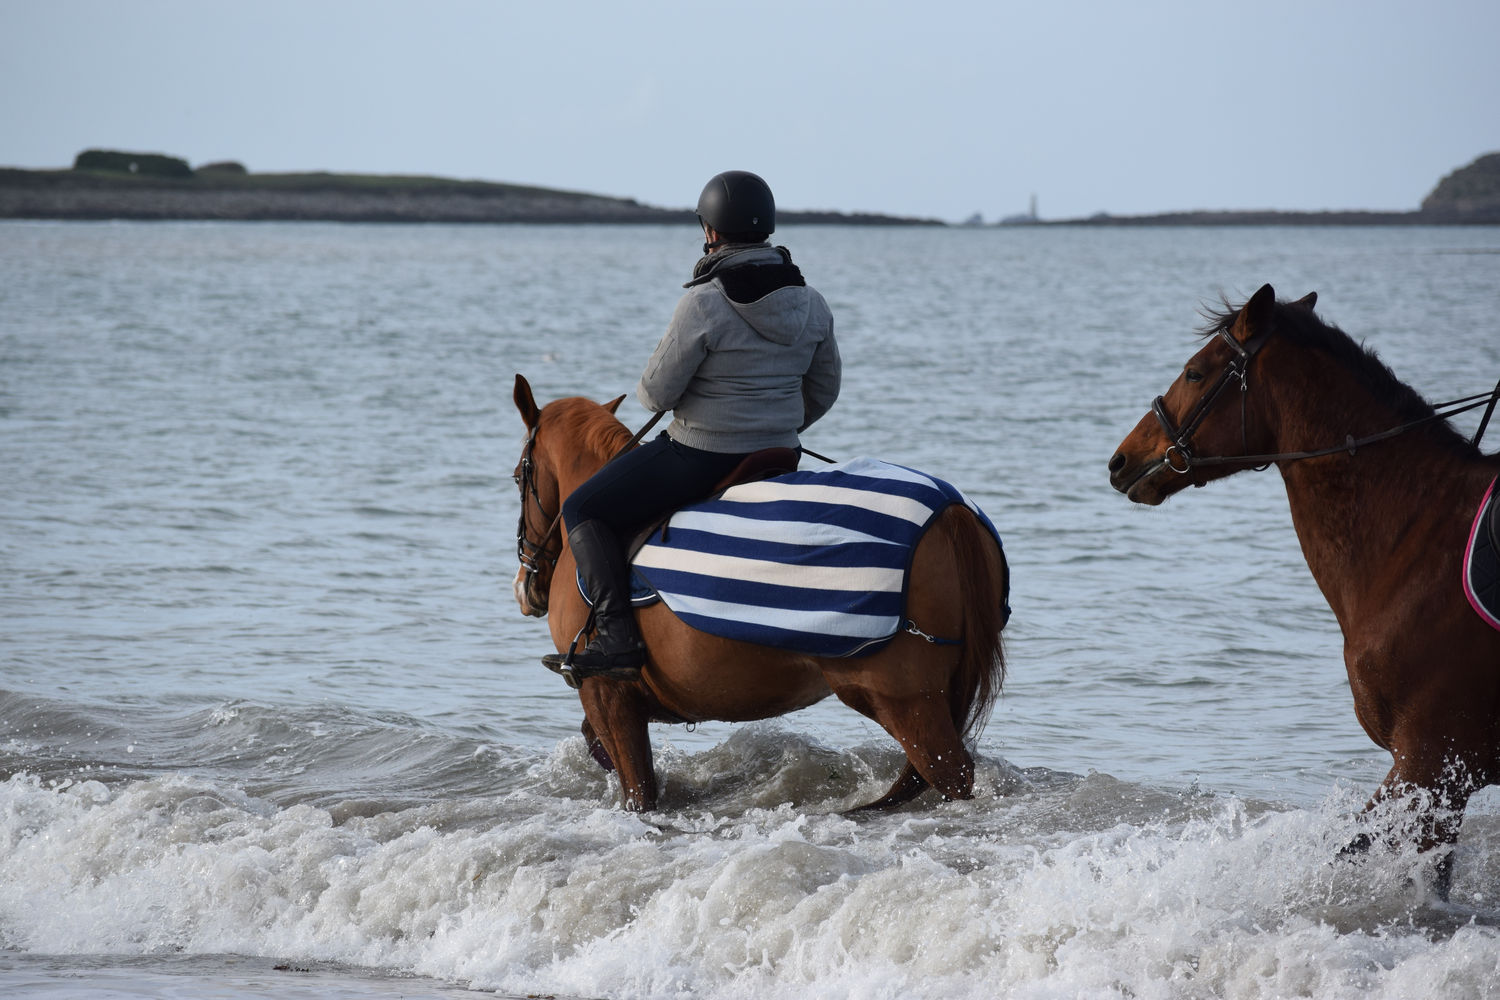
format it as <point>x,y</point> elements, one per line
<point>596,746</point>
<point>908,786</point>
<point>934,749</point>
<point>920,720</point>
<point>617,713</point>
<point>1439,792</point>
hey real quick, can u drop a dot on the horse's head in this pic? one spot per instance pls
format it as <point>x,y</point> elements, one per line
<point>1195,431</point>
<point>554,459</point>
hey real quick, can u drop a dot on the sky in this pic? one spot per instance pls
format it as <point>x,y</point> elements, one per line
<point>933,109</point>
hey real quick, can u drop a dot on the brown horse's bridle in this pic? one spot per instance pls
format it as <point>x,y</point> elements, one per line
<point>1237,370</point>
<point>1182,437</point>
<point>534,556</point>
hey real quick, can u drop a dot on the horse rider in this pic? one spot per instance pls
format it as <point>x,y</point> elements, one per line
<point>748,361</point>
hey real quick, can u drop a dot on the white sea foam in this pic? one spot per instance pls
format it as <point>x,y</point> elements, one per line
<point>1047,886</point>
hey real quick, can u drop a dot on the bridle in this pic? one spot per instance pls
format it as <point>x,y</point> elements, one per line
<point>1238,370</point>
<point>1181,437</point>
<point>534,556</point>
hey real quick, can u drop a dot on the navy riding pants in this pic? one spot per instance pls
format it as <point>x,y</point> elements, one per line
<point>643,484</point>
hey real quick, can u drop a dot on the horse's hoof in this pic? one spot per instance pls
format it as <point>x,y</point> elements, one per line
<point>601,755</point>
<point>1358,847</point>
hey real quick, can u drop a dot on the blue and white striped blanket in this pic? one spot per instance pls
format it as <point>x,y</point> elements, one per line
<point>814,561</point>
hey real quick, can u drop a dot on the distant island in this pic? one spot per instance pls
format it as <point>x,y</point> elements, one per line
<point>114,184</point>
<point>1468,196</point>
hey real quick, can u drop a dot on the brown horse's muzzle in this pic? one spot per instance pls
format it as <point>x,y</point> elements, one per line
<point>1137,465</point>
<point>532,600</point>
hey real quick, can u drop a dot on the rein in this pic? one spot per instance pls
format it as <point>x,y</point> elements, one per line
<point>1238,369</point>
<point>531,555</point>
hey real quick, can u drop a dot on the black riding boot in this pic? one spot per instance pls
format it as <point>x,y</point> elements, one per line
<point>616,650</point>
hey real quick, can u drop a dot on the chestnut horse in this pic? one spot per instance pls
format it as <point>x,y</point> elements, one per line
<point>929,696</point>
<point>1382,494</point>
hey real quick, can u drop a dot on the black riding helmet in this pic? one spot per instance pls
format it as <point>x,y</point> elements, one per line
<point>739,205</point>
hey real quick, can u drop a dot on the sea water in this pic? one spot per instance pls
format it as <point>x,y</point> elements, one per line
<point>272,725</point>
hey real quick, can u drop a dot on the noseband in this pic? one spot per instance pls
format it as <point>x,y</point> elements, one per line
<point>1182,438</point>
<point>534,556</point>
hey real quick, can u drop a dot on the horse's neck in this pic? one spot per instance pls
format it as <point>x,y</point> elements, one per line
<point>581,462</point>
<point>1350,510</point>
<point>577,470</point>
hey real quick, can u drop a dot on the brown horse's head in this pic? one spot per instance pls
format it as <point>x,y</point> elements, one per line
<point>1194,431</point>
<point>566,442</point>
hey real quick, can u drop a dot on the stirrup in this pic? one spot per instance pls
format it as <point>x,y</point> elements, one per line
<point>574,674</point>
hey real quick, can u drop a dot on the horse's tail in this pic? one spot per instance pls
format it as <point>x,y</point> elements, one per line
<point>984,576</point>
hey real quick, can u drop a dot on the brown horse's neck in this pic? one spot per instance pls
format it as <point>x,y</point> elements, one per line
<point>1414,492</point>
<point>586,436</point>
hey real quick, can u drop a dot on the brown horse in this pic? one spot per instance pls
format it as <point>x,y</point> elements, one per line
<point>1382,493</point>
<point>929,696</point>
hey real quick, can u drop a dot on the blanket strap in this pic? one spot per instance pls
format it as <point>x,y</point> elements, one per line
<point>911,628</point>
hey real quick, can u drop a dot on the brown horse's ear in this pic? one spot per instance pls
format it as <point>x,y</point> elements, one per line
<point>614,404</point>
<point>1255,317</point>
<point>525,402</point>
<point>1307,301</point>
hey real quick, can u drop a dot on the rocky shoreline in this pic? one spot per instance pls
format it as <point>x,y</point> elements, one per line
<point>1273,218</point>
<point>89,195</point>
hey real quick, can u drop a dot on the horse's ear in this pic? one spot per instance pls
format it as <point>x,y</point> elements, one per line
<point>525,402</point>
<point>1307,301</point>
<point>1255,317</point>
<point>614,404</point>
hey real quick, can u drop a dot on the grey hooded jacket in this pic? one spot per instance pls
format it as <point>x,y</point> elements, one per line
<point>743,370</point>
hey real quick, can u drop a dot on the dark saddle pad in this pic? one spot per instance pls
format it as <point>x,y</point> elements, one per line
<point>1482,559</point>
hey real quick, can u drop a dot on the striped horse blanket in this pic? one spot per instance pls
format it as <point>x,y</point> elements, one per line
<point>815,561</point>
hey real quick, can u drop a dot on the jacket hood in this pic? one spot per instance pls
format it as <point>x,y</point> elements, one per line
<point>763,286</point>
<point>781,316</point>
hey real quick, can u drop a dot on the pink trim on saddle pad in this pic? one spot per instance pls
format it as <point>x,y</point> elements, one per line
<point>1468,566</point>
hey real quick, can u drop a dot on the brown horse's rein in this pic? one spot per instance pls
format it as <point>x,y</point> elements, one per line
<point>1181,438</point>
<point>527,551</point>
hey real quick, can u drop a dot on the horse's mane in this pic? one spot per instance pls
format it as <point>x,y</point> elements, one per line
<point>592,428</point>
<point>1303,326</point>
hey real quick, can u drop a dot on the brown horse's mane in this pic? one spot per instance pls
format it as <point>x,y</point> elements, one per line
<point>1302,325</point>
<point>593,429</point>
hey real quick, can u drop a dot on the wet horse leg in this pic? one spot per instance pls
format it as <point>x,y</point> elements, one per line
<point>596,746</point>
<point>925,730</point>
<point>922,723</point>
<point>1438,794</point>
<point>616,711</point>
<point>907,786</point>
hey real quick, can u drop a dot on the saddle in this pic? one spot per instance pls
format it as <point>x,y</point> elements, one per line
<point>1482,559</point>
<point>768,463</point>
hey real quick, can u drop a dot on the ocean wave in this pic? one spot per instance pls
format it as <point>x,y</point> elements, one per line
<point>1047,884</point>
